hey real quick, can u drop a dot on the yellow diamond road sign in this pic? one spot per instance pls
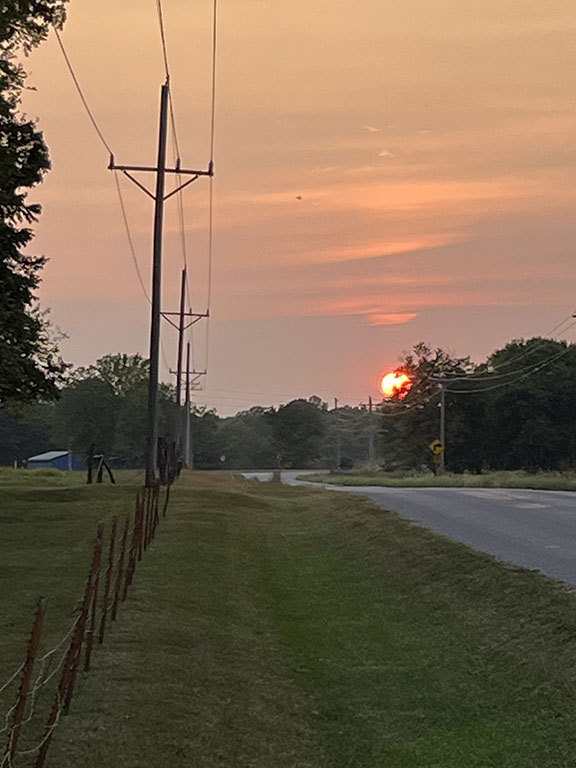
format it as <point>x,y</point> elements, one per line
<point>437,447</point>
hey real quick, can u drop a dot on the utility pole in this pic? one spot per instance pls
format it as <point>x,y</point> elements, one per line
<point>182,326</point>
<point>187,425</point>
<point>371,432</point>
<point>190,385</point>
<point>159,199</point>
<point>180,337</point>
<point>442,427</point>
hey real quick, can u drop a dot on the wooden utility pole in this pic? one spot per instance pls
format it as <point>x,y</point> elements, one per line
<point>181,337</point>
<point>442,466</point>
<point>191,383</point>
<point>159,199</point>
<point>187,425</point>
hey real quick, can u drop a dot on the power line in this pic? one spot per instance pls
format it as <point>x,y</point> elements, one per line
<point>129,237</point>
<point>492,376</point>
<point>214,61</point>
<point>496,367</point>
<point>181,217</point>
<point>211,190</point>
<point>135,259</point>
<point>528,372</point>
<point>211,165</point>
<point>81,94</point>
<point>539,344</point>
<point>118,187</point>
<point>163,39</point>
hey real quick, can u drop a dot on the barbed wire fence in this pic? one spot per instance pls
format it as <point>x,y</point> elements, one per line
<point>28,725</point>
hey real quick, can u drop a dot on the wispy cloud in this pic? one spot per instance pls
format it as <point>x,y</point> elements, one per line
<point>323,169</point>
<point>394,318</point>
<point>389,247</point>
<point>371,129</point>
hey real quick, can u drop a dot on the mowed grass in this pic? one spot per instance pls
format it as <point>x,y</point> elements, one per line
<point>48,522</point>
<point>542,481</point>
<point>276,627</point>
<point>52,478</point>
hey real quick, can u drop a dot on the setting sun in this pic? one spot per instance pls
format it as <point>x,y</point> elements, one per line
<point>395,384</point>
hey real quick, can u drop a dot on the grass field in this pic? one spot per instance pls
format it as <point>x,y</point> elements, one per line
<point>276,627</point>
<point>544,481</point>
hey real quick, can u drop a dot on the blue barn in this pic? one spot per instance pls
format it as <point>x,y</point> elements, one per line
<point>64,460</point>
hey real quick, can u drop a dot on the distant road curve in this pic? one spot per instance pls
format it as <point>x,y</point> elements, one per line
<point>533,529</point>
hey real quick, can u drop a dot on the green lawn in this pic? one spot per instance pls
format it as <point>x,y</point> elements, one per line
<point>276,627</point>
<point>543,481</point>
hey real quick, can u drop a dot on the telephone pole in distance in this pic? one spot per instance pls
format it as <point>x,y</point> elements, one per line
<point>159,199</point>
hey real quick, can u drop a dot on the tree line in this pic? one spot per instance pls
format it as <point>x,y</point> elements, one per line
<point>514,411</point>
<point>105,404</point>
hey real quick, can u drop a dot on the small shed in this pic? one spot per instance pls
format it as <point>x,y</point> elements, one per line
<point>64,460</point>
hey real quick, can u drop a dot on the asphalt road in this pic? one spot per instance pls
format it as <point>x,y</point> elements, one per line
<point>533,529</point>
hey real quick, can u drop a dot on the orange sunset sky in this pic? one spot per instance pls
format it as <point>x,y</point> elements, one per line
<point>385,173</point>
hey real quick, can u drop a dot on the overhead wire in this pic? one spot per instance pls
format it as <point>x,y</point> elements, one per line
<point>211,178</point>
<point>81,93</point>
<point>181,217</point>
<point>488,375</point>
<point>177,157</point>
<point>539,344</point>
<point>107,146</point>
<point>129,238</point>
<point>528,372</point>
<point>163,38</point>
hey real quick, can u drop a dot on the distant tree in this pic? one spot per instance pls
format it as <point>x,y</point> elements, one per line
<point>130,426</point>
<point>30,364</point>
<point>516,411</point>
<point>350,435</point>
<point>24,432</point>
<point>122,372</point>
<point>86,413</point>
<point>208,442</point>
<point>530,414</point>
<point>248,439</point>
<point>411,422</point>
<point>298,429</point>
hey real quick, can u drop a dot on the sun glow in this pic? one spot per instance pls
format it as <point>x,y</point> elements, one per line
<point>395,384</point>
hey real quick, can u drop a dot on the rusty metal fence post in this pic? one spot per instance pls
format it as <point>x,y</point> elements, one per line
<point>120,571</point>
<point>67,680</point>
<point>108,581</point>
<point>94,599</point>
<point>89,602</point>
<point>133,551</point>
<point>140,528</point>
<point>146,525</point>
<point>25,680</point>
<point>145,522</point>
<point>166,501</point>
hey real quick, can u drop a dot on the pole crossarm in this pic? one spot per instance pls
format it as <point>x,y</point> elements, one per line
<point>126,170</point>
<point>150,169</point>
<point>182,186</point>
<point>139,184</point>
<point>196,316</point>
<point>191,373</point>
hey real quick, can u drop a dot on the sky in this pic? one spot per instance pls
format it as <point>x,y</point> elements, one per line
<point>385,173</point>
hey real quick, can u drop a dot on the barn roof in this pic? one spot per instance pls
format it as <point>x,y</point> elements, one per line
<point>48,456</point>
